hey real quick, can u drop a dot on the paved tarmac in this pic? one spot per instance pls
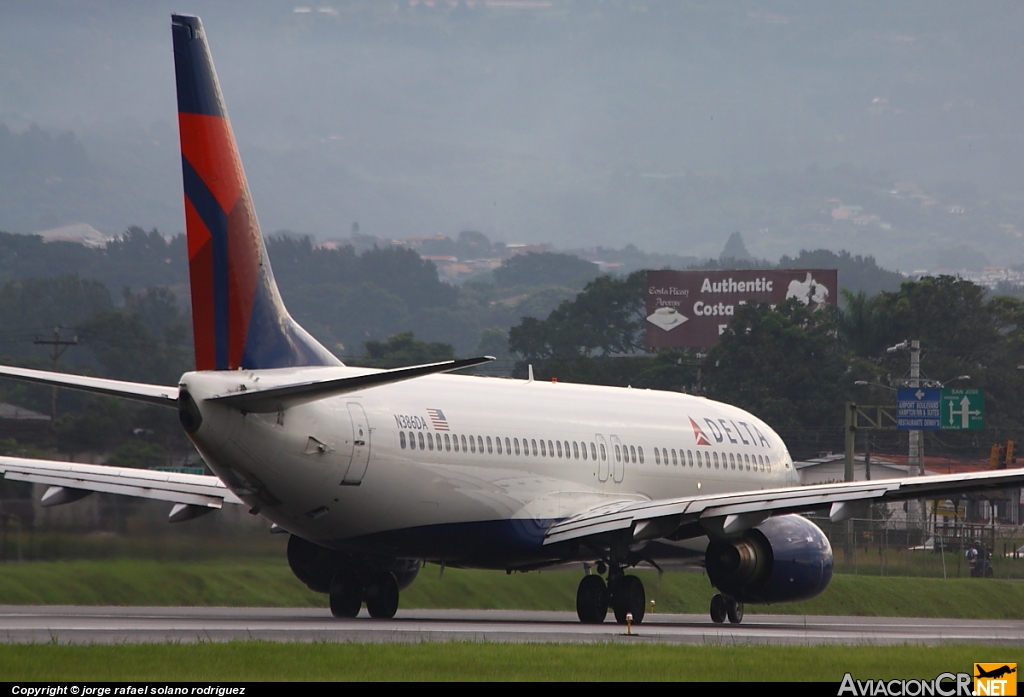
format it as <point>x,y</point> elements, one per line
<point>83,625</point>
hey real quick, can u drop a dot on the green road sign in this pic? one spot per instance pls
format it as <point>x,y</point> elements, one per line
<point>962,409</point>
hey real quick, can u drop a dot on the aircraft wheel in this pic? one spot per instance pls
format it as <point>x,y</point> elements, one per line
<point>719,608</point>
<point>627,596</point>
<point>592,600</point>
<point>734,611</point>
<point>345,596</point>
<point>382,596</point>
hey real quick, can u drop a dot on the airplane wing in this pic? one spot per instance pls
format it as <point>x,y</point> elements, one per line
<point>193,494</point>
<point>276,398</point>
<point>153,394</point>
<point>730,513</point>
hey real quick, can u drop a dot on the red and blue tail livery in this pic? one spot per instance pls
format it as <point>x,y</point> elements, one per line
<point>238,317</point>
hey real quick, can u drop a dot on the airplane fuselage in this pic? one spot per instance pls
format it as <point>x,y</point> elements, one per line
<point>471,470</point>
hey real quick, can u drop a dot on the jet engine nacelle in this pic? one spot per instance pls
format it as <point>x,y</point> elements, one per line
<point>316,566</point>
<point>784,559</point>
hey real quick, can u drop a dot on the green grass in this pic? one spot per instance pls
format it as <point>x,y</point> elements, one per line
<point>268,582</point>
<point>260,661</point>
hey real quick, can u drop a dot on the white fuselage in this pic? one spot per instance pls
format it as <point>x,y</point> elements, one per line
<point>449,467</point>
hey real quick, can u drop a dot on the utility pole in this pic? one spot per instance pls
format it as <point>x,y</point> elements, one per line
<point>916,437</point>
<point>58,347</point>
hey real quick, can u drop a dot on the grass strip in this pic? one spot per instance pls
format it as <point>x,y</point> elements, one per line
<point>263,661</point>
<point>270,583</point>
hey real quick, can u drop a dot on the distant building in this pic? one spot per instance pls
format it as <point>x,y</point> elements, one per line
<point>79,233</point>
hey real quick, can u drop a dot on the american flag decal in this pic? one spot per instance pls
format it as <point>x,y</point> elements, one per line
<point>437,419</point>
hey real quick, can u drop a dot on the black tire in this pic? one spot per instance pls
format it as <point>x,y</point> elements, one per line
<point>734,611</point>
<point>592,600</point>
<point>346,597</point>
<point>382,596</point>
<point>719,608</point>
<point>627,596</point>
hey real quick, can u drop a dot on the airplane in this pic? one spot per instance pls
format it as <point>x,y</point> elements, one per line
<point>995,672</point>
<point>374,472</point>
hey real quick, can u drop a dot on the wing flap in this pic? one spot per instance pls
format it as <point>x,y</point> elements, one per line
<point>712,511</point>
<point>191,489</point>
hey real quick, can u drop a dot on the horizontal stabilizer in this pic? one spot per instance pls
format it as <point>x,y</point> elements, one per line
<point>278,398</point>
<point>192,489</point>
<point>140,392</point>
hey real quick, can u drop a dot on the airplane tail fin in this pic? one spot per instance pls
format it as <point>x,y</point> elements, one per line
<point>238,317</point>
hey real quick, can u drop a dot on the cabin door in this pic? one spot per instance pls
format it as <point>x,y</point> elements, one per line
<point>602,458</point>
<point>618,459</point>
<point>360,445</point>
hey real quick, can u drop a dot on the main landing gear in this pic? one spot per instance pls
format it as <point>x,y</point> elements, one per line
<point>623,594</point>
<point>381,595</point>
<point>723,607</point>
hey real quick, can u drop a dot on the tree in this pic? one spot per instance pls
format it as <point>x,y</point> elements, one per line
<point>605,319</point>
<point>545,269</point>
<point>402,350</point>
<point>786,365</point>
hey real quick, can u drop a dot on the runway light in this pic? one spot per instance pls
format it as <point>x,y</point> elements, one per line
<point>629,623</point>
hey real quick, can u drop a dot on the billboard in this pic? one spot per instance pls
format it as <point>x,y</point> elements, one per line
<point>693,308</point>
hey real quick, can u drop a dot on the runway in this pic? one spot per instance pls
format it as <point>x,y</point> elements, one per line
<point>85,625</point>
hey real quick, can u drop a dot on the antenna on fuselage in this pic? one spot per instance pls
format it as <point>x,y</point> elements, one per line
<point>529,377</point>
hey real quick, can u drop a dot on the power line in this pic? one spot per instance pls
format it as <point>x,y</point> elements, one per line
<point>58,347</point>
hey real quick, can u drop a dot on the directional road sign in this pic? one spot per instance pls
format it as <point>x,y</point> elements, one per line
<point>932,409</point>
<point>963,409</point>
<point>918,409</point>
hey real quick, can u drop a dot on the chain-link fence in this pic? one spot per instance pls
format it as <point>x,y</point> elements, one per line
<point>950,548</point>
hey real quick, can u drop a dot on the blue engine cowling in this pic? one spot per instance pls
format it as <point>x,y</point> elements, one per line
<point>784,559</point>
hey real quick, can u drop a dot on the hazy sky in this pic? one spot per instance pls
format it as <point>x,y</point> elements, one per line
<point>570,124</point>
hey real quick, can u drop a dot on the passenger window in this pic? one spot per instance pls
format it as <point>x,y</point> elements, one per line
<point>419,437</point>
<point>551,449</point>
<point>430,440</point>
<point>463,444</point>
<point>593,452</point>
<point>533,447</point>
<point>401,439</point>
<point>447,443</point>
<point>559,444</point>
<point>746,461</point>
<point>664,455</point>
<point>472,444</point>
<point>583,447</point>
<point>618,457</point>
<point>674,460</point>
<point>657,457</point>
<point>732,462</point>
<point>700,460</point>
<point>497,444</point>
<point>714,456</point>
<point>566,450</point>
<point>480,444</point>
<point>543,450</point>
<point>508,447</point>
<point>575,450</point>
<point>689,456</point>
<point>640,451</point>
<point>490,448</point>
<point>516,442</point>
<point>632,453</point>
<point>412,440</point>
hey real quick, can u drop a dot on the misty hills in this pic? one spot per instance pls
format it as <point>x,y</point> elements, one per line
<point>887,130</point>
